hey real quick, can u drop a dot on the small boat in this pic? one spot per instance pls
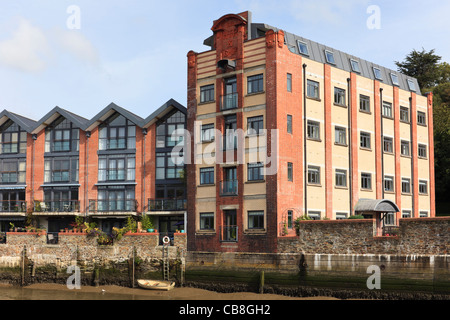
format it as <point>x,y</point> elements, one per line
<point>156,285</point>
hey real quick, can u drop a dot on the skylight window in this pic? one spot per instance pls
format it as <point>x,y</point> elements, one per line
<point>355,66</point>
<point>412,85</point>
<point>394,78</point>
<point>330,57</point>
<point>303,48</point>
<point>377,73</point>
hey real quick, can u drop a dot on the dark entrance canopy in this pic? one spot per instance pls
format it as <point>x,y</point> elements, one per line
<point>370,205</point>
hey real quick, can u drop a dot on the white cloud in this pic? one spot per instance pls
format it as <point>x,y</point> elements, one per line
<point>27,50</point>
<point>76,44</point>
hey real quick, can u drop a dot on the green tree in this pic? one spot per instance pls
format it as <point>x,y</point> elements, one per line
<point>424,66</point>
<point>434,76</point>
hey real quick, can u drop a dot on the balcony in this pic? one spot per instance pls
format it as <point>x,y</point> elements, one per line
<point>13,206</point>
<point>229,188</point>
<point>64,206</point>
<point>159,205</point>
<point>113,206</point>
<point>229,233</point>
<point>229,101</point>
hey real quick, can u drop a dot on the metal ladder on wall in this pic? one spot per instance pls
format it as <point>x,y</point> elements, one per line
<point>166,266</point>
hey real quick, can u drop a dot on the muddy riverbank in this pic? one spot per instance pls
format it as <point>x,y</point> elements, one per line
<point>61,292</point>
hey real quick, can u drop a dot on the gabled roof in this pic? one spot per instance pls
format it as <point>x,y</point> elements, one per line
<point>162,111</point>
<point>54,114</point>
<point>25,123</point>
<point>107,112</point>
<point>370,205</point>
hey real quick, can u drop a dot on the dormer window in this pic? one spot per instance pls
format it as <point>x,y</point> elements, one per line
<point>411,85</point>
<point>394,79</point>
<point>61,136</point>
<point>377,73</point>
<point>117,133</point>
<point>12,138</point>
<point>303,48</point>
<point>355,66</point>
<point>330,57</point>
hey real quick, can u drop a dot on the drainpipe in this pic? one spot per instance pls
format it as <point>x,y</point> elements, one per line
<point>305,132</point>
<point>34,137</point>
<point>86,199</point>
<point>382,142</point>
<point>350,153</point>
<point>144,132</point>
<point>413,209</point>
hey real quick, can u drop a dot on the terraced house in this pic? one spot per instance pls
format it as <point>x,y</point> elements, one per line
<point>337,129</point>
<point>106,169</point>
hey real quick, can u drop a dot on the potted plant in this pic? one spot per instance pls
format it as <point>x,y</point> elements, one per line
<point>147,224</point>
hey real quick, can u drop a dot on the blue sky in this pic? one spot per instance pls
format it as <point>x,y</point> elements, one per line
<point>133,52</point>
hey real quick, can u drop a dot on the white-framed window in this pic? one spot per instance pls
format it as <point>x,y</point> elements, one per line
<point>423,187</point>
<point>340,136</point>
<point>389,184</point>
<point>365,140</point>
<point>406,214</point>
<point>366,181</point>
<point>341,178</point>
<point>406,185</point>
<point>314,215</point>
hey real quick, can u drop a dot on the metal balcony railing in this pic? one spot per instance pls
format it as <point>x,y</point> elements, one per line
<point>13,206</point>
<point>167,205</point>
<point>229,188</point>
<point>229,233</point>
<point>229,101</point>
<point>57,206</point>
<point>113,205</point>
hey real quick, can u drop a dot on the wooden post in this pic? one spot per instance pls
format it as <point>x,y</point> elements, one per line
<point>261,283</point>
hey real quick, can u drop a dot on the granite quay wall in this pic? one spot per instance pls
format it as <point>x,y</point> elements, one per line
<point>27,258</point>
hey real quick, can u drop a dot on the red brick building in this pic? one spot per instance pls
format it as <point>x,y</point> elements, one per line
<point>336,129</point>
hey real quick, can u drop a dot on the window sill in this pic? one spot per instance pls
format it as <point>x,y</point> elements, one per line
<point>208,141</point>
<point>389,192</point>
<point>255,232</point>
<point>365,149</point>
<point>366,190</point>
<point>341,188</point>
<point>423,158</point>
<point>406,194</point>
<point>314,185</point>
<point>315,99</point>
<point>405,156</point>
<point>313,139</point>
<point>340,105</point>
<point>366,112</point>
<point>205,233</point>
<point>404,121</point>
<point>255,181</point>
<point>206,102</point>
<point>206,185</point>
<point>251,135</point>
<point>254,93</point>
<point>340,144</point>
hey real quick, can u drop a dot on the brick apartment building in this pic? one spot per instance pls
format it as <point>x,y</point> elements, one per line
<point>106,169</point>
<point>346,129</point>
